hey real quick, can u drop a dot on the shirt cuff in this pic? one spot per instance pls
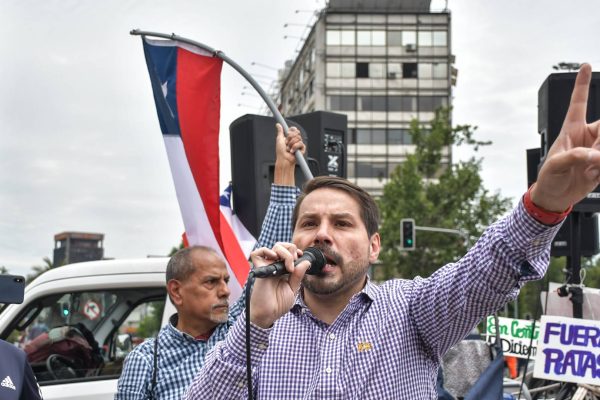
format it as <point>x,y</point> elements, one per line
<point>530,241</point>
<point>284,194</point>
<point>235,341</point>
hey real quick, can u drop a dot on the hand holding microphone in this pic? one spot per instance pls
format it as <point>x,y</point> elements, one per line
<point>273,297</point>
<point>314,256</point>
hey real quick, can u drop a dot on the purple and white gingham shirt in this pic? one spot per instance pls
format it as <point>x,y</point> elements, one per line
<point>388,341</point>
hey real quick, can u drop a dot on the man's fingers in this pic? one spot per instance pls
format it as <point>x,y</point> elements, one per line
<point>297,274</point>
<point>579,97</point>
<point>579,156</point>
<point>279,129</point>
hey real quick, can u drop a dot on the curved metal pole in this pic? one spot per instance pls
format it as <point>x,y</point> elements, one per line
<point>217,53</point>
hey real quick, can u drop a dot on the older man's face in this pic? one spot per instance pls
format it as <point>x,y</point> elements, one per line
<point>204,296</point>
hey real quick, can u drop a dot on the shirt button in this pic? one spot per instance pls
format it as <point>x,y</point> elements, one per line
<point>328,370</point>
<point>332,336</point>
<point>536,242</point>
<point>262,346</point>
<point>241,384</point>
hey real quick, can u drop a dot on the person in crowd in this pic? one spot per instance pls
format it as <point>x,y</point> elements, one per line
<point>197,278</point>
<point>17,381</point>
<point>337,335</point>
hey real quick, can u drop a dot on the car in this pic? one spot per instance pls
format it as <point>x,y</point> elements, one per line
<point>78,322</point>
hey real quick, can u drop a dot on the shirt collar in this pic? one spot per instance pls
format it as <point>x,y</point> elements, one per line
<point>173,331</point>
<point>369,292</point>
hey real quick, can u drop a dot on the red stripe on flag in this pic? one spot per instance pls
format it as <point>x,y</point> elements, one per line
<point>198,105</point>
<point>233,252</point>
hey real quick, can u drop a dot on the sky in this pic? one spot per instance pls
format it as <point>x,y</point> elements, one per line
<point>80,143</point>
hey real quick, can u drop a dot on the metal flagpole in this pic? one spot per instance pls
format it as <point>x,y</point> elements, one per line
<point>217,53</point>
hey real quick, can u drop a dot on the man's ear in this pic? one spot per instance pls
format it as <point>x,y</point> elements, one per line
<point>174,290</point>
<point>374,247</point>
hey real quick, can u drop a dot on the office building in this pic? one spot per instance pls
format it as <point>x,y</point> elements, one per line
<point>380,62</point>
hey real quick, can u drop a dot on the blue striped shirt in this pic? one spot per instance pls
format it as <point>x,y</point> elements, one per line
<point>181,355</point>
<point>388,341</point>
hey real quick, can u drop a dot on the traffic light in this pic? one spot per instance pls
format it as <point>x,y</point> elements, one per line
<point>407,234</point>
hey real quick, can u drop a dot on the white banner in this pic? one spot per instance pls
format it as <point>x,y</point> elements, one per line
<point>568,350</point>
<point>515,335</point>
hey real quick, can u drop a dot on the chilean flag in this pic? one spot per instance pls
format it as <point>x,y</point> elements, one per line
<point>186,82</point>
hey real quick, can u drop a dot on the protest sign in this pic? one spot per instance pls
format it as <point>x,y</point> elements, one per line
<point>515,335</point>
<point>568,350</point>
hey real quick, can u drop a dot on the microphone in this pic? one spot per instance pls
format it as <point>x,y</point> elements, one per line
<point>312,254</point>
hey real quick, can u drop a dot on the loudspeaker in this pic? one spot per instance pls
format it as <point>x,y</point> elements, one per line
<point>533,164</point>
<point>589,237</point>
<point>326,136</point>
<point>252,141</point>
<point>554,97</point>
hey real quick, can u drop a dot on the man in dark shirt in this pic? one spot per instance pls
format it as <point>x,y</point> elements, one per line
<point>17,381</point>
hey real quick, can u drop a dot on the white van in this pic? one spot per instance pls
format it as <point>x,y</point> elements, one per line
<point>78,322</point>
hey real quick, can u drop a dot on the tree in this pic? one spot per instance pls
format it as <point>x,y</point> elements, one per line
<point>40,269</point>
<point>3,270</point>
<point>176,249</point>
<point>436,194</point>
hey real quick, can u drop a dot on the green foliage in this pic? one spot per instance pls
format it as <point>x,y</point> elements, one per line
<point>3,270</point>
<point>175,249</point>
<point>150,324</point>
<point>436,194</point>
<point>39,269</point>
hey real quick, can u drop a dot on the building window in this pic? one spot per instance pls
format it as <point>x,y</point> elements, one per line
<point>440,70</point>
<point>373,103</point>
<point>337,38</point>
<point>370,136</point>
<point>394,38</point>
<point>424,71</point>
<point>351,136</point>
<point>363,38</point>
<point>347,38</point>
<point>378,38</point>
<point>342,103</point>
<point>351,168</point>
<point>333,38</point>
<point>440,38</point>
<point>399,136</point>
<point>378,136</point>
<point>394,71</point>
<point>362,70</point>
<point>409,70</point>
<point>431,103</point>
<point>377,70</point>
<point>371,170</point>
<point>337,70</point>
<point>409,38</point>
<point>348,70</point>
<point>402,103</point>
<point>425,39</point>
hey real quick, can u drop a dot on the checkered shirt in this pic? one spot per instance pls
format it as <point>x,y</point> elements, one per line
<point>388,341</point>
<point>181,355</point>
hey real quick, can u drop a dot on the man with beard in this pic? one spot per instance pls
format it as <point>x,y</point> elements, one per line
<point>339,336</point>
<point>197,280</point>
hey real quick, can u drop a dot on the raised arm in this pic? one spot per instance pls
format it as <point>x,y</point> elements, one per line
<point>517,248</point>
<point>276,226</point>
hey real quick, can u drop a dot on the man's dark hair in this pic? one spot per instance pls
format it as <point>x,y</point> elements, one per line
<point>181,265</point>
<point>369,213</point>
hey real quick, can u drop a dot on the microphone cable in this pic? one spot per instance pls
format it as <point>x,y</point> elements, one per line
<point>248,294</point>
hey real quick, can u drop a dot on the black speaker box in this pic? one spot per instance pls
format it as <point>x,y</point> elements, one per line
<point>588,236</point>
<point>252,142</point>
<point>554,97</point>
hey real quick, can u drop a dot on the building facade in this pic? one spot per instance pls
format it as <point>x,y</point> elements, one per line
<point>383,64</point>
<point>74,247</point>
